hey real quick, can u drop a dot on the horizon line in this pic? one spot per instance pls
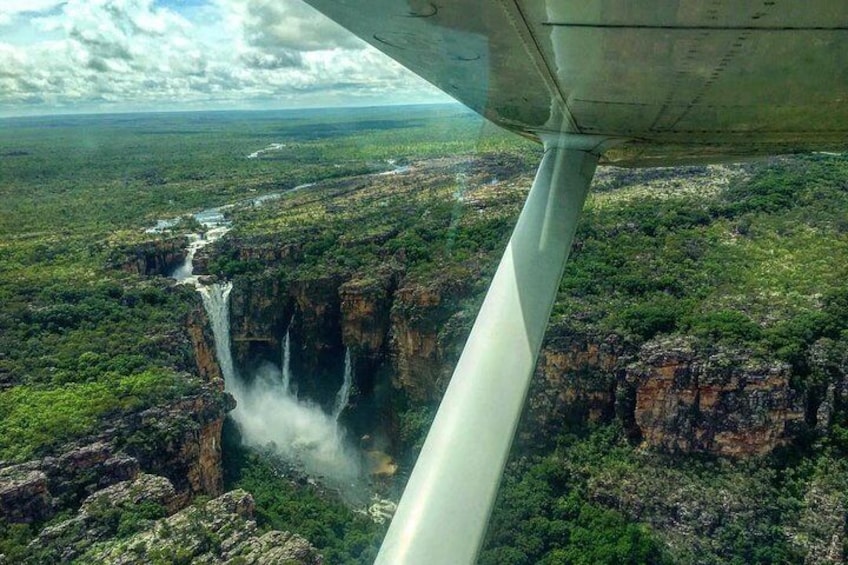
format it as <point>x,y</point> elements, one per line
<point>83,113</point>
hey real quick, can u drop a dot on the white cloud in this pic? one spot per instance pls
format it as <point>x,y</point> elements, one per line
<point>93,55</point>
<point>13,8</point>
<point>288,24</point>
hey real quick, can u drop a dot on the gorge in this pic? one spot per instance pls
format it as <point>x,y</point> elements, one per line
<point>672,382</point>
<point>689,404</point>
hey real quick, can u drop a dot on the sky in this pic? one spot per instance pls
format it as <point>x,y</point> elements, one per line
<point>81,56</point>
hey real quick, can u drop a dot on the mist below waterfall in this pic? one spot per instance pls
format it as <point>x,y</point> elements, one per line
<point>300,431</point>
<point>269,415</point>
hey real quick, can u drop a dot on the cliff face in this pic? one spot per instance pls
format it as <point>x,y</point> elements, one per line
<point>260,311</point>
<point>668,394</point>
<point>725,402</point>
<point>203,346</point>
<point>365,307</point>
<point>419,354</point>
<point>399,335</point>
<point>155,257</point>
<point>262,308</point>
<point>394,278</point>
<point>366,315</point>
<point>180,440</point>
<point>576,381</point>
<point>317,348</point>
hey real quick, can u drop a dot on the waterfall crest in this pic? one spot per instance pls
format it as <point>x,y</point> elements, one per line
<point>186,269</point>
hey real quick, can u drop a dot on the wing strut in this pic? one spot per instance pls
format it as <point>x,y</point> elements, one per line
<point>445,508</point>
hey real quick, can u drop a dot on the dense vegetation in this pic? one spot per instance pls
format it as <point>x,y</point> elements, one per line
<point>84,337</point>
<point>296,504</point>
<point>760,263</point>
<point>724,255</point>
<point>99,174</point>
<point>77,190</point>
<point>750,256</point>
<point>575,504</point>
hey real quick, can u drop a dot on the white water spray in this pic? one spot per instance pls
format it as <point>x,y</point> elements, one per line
<point>298,430</point>
<point>269,415</point>
<point>216,301</point>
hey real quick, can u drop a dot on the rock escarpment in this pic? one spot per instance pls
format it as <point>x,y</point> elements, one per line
<point>180,440</point>
<point>668,393</point>
<point>393,268</point>
<point>726,402</point>
<point>221,531</point>
<point>402,336</point>
<point>203,346</point>
<point>576,381</point>
<point>154,257</point>
<point>139,521</point>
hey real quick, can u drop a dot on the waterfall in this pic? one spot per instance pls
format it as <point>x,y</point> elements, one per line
<point>269,416</point>
<point>216,301</point>
<point>287,358</point>
<point>267,413</point>
<point>186,270</point>
<point>343,396</point>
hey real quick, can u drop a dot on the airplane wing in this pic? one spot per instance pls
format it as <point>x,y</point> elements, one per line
<point>621,81</point>
<point>673,80</point>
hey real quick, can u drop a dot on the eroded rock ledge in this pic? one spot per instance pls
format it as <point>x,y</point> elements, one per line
<point>180,440</point>
<point>668,393</point>
<point>136,521</point>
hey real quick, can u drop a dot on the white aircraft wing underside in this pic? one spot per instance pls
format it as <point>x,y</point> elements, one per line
<point>662,81</point>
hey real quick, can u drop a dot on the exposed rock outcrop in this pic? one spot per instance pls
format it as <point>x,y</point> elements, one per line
<point>246,250</point>
<point>181,442</point>
<point>99,518</point>
<point>726,402</point>
<point>203,346</point>
<point>576,381</point>
<point>221,531</point>
<point>154,257</point>
<point>139,521</point>
<point>670,395</point>
<point>24,496</point>
<point>261,308</point>
<point>318,350</point>
<point>365,312</point>
<point>416,356</point>
<point>35,490</point>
